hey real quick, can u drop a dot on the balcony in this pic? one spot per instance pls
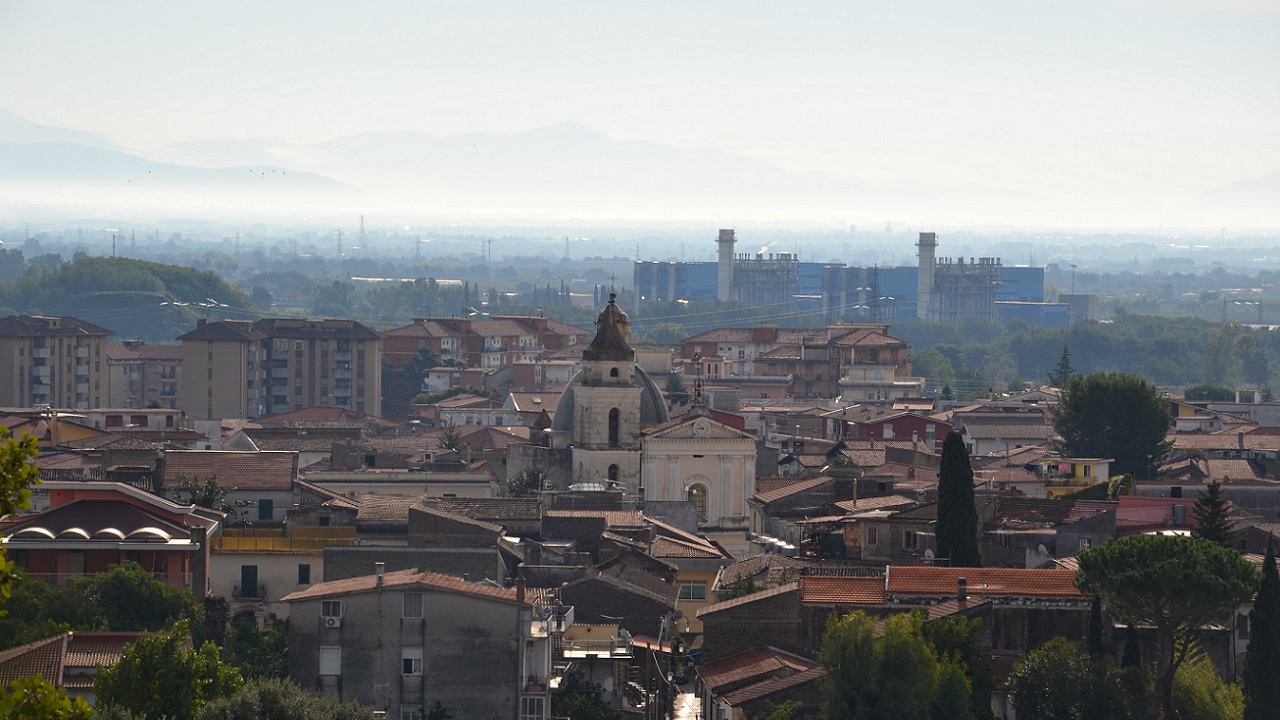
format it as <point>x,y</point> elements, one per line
<point>41,371</point>
<point>82,388</point>
<point>344,390</point>
<point>251,592</point>
<point>342,356</point>
<point>279,372</point>
<point>82,352</point>
<point>60,579</point>
<point>342,374</point>
<point>40,352</point>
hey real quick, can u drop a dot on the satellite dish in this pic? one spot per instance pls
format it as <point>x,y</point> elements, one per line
<point>543,611</point>
<point>928,554</point>
<point>1044,551</point>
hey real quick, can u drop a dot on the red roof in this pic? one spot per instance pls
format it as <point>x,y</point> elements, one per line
<point>842,590</point>
<point>754,664</point>
<point>406,579</point>
<point>925,580</point>
<point>268,470</point>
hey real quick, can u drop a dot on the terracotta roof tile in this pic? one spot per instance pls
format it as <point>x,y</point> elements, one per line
<point>612,518</point>
<point>42,657</point>
<point>790,490</point>
<point>821,590</point>
<point>239,470</point>
<point>991,582</point>
<point>666,547</point>
<point>883,502</point>
<point>405,579</point>
<point>777,684</point>
<point>493,509</point>
<point>753,664</point>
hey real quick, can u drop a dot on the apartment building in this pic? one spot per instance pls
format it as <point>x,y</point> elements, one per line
<point>140,375</point>
<point>496,342</point>
<point>278,365</point>
<point>55,361</point>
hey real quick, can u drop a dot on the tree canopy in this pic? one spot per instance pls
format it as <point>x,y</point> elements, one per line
<point>279,699</point>
<point>160,676</point>
<point>1109,415</point>
<point>1061,680</point>
<point>894,673</point>
<point>957,530</point>
<point>1210,512</point>
<point>1176,584</point>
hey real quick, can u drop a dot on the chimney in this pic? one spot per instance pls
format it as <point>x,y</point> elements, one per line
<point>520,589</point>
<point>380,569</point>
<point>1240,440</point>
<point>962,588</point>
<point>200,322</point>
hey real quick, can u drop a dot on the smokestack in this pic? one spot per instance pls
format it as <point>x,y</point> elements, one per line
<point>924,290</point>
<point>726,242</point>
<point>962,589</point>
<point>520,589</point>
<point>380,568</point>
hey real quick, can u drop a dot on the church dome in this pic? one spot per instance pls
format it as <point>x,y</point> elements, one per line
<point>653,408</point>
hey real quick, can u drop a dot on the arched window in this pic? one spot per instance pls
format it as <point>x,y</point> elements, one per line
<point>698,496</point>
<point>613,372</point>
<point>613,427</point>
<point>613,473</point>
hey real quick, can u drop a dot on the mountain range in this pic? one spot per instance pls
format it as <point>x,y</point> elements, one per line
<point>561,171</point>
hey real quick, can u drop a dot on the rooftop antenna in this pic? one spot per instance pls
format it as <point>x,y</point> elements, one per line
<point>490,258</point>
<point>113,244</point>
<point>566,247</point>
<point>339,243</point>
<point>363,238</point>
<point>417,249</point>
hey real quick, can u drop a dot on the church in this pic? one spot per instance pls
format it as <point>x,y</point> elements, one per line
<point>611,430</point>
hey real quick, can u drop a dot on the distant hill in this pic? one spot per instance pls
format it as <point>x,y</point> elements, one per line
<point>136,299</point>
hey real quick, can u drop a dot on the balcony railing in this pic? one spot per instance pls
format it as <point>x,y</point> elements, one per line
<point>251,592</point>
<point>184,579</point>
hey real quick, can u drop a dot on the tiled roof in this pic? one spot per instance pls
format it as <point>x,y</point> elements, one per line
<point>867,337</point>
<point>493,509</point>
<point>1231,469</point>
<point>768,569</point>
<point>42,657</point>
<point>883,502</point>
<point>313,328</point>
<point>822,590</point>
<point>1026,513</point>
<point>1001,428</point>
<point>534,401</point>
<point>773,685</point>
<point>753,664</point>
<point>225,330</point>
<point>462,519</point>
<point>106,519</point>
<point>612,518</point>
<point>404,579</point>
<point>239,470</point>
<point>790,490</point>
<point>746,599</point>
<point>785,336</point>
<point>769,484</point>
<point>991,582</point>
<point>329,416</point>
<point>667,547</point>
<point>36,325</point>
<point>375,508</point>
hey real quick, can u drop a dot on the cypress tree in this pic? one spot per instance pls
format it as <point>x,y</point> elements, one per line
<point>1262,664</point>
<point>1095,642</point>
<point>957,529</point>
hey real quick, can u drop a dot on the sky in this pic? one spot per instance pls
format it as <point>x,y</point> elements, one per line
<point>1144,101</point>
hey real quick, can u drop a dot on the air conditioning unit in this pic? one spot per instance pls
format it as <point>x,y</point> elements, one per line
<point>333,622</point>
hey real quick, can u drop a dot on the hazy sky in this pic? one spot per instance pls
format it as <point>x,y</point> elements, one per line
<point>1073,97</point>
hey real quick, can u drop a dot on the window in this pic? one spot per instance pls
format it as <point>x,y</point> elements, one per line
<point>910,540</point>
<point>698,496</point>
<point>613,473</point>
<point>412,605</point>
<point>410,712</point>
<point>330,660</point>
<point>304,574</point>
<point>265,509</point>
<point>1085,544</point>
<point>411,661</point>
<point>531,707</point>
<point>613,427</point>
<point>613,372</point>
<point>693,590</point>
<point>331,608</point>
<point>297,344</point>
<point>1242,626</point>
<point>873,534</point>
